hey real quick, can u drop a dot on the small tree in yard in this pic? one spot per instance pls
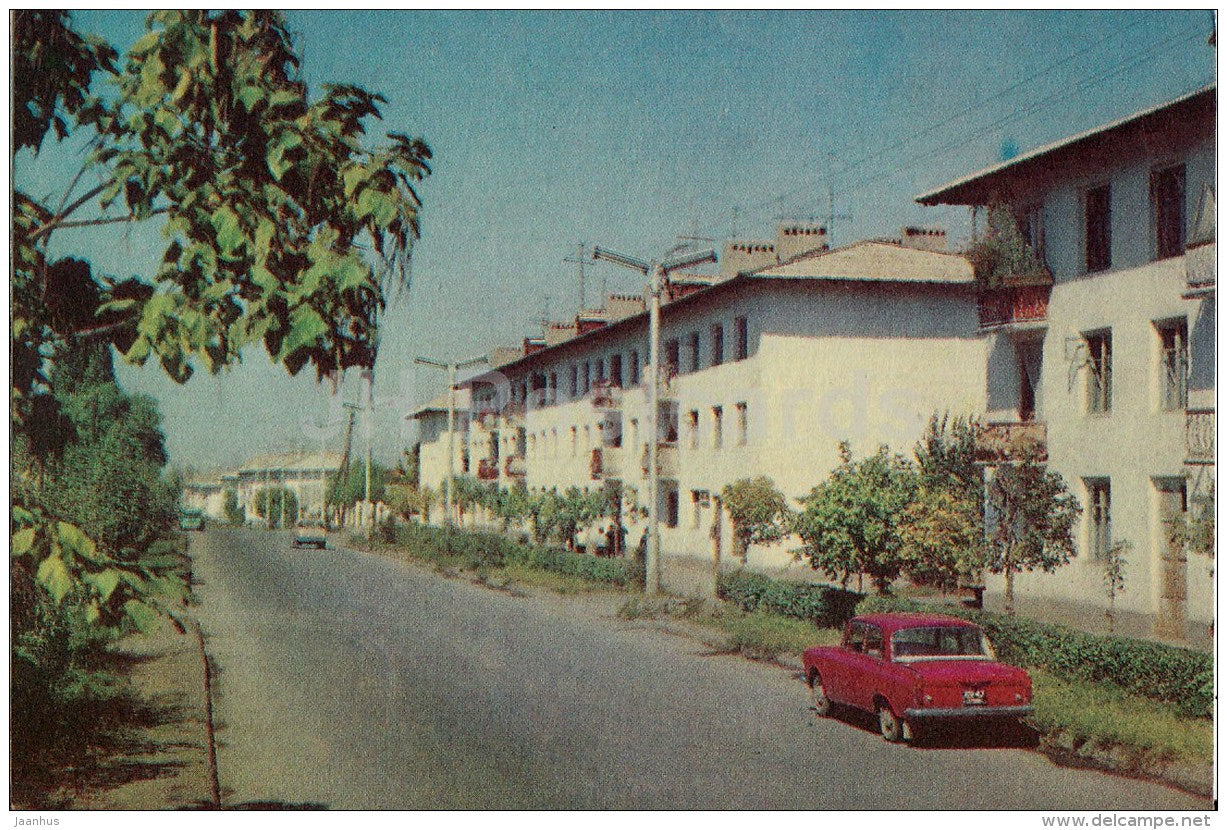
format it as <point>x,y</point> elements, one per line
<point>942,538</point>
<point>1114,577</point>
<point>758,511</point>
<point>235,514</point>
<point>849,524</point>
<point>1032,522</point>
<point>946,455</point>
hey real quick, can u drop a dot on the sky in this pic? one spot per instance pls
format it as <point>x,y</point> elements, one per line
<point>629,130</point>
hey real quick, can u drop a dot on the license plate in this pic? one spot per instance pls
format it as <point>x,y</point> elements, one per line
<point>973,697</point>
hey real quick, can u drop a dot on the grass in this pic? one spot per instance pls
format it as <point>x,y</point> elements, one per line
<point>1100,716</point>
<point>520,574</point>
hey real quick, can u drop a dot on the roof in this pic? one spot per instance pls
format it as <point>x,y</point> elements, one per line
<point>303,460</point>
<point>875,261</point>
<point>439,404</point>
<point>870,261</point>
<point>972,188</point>
<point>897,621</point>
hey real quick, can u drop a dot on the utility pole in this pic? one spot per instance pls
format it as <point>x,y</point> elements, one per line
<point>368,375</point>
<point>578,259</point>
<point>657,274</point>
<point>451,369</point>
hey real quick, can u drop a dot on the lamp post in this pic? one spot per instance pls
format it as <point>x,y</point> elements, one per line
<point>451,369</point>
<point>657,274</point>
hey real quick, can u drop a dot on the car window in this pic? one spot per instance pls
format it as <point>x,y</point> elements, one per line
<point>873,641</point>
<point>854,639</point>
<point>940,642</point>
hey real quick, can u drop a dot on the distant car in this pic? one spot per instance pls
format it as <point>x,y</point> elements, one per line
<point>310,534</point>
<point>191,520</point>
<point>912,669</point>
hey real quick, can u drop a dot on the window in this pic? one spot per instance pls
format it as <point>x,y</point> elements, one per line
<point>553,388</point>
<point>717,426</point>
<point>600,370</point>
<point>742,329</point>
<point>634,432</point>
<point>587,378</point>
<point>1099,228</point>
<point>1099,372</point>
<point>696,508</point>
<point>1099,516</point>
<point>1173,365</point>
<point>1167,210</point>
<point>694,351</point>
<point>672,358</point>
<point>741,424</point>
<point>1031,225</point>
<point>615,371</point>
<point>692,428</point>
<point>671,508</point>
<point>574,382</point>
<point>634,367</point>
<point>717,344</point>
<point>874,644</point>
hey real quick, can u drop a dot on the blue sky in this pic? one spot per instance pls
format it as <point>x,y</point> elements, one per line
<point>628,129</point>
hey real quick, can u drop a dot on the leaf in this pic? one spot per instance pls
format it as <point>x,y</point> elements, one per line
<point>282,97</point>
<point>74,539</point>
<point>277,163</point>
<point>143,616</point>
<point>229,232</point>
<point>306,327</point>
<point>53,575</point>
<point>22,542</point>
<point>249,96</point>
<point>104,582</point>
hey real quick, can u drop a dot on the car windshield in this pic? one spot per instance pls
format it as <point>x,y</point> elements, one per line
<point>940,642</point>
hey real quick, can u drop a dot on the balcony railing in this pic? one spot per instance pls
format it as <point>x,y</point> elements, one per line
<point>666,459</point>
<point>1201,270</point>
<point>1199,436</point>
<point>1013,305</point>
<point>514,466</point>
<point>1012,441</point>
<point>487,469</point>
<point>606,396</point>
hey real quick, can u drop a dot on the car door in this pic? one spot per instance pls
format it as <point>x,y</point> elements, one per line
<point>835,672</point>
<point>866,668</point>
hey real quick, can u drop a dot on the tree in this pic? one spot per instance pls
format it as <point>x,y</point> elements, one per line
<point>946,455</point>
<point>758,511</point>
<point>942,538</point>
<point>1195,532</point>
<point>849,523</point>
<point>235,514</point>
<point>1031,522</point>
<point>284,225</point>
<point>277,505</point>
<point>1002,251</point>
<point>1114,577</point>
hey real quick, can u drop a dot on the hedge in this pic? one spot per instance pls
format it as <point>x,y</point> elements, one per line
<point>485,549</point>
<point>824,605</point>
<point>1174,675</point>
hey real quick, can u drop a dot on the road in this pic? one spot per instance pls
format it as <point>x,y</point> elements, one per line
<point>352,681</point>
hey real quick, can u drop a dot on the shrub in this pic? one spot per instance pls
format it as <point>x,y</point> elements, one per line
<point>824,605</point>
<point>1173,675</point>
<point>586,567</point>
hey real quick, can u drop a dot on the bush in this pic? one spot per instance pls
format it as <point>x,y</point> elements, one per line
<point>1173,675</point>
<point>586,567</point>
<point>824,605</point>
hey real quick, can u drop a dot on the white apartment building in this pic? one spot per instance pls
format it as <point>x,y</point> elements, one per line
<point>307,474</point>
<point>767,371</point>
<point>1110,363</point>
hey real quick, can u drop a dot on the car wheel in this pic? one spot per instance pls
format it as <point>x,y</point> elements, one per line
<point>889,724</point>
<point>822,704</point>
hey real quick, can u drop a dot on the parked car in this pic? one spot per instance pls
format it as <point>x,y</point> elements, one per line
<point>191,520</point>
<point>912,669</point>
<point>309,533</point>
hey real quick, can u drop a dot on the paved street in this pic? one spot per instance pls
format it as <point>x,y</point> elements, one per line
<point>351,681</point>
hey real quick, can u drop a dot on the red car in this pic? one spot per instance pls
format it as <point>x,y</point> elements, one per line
<point>911,669</point>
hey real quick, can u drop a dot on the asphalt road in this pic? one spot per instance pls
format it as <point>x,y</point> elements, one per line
<point>351,681</point>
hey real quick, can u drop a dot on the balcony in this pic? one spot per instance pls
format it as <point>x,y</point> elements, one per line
<point>513,414</point>
<point>487,470</point>
<point>606,396</point>
<point>1013,306</point>
<point>666,459</point>
<point>1201,270</point>
<point>1011,441</point>
<point>515,467</point>
<point>1199,436</point>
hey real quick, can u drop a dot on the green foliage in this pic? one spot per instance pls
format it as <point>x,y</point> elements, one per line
<point>824,605</point>
<point>1033,518</point>
<point>759,512</point>
<point>763,636</point>
<point>1178,676</point>
<point>946,455</point>
<point>1114,563</point>
<point>1195,533</point>
<point>235,514</point>
<point>942,538</point>
<point>1001,252</point>
<point>350,487</point>
<point>277,505</point>
<point>849,524</point>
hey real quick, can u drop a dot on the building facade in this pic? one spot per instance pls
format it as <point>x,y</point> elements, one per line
<point>1106,358</point>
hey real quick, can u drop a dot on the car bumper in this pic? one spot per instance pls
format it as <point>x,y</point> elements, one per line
<point>970,712</point>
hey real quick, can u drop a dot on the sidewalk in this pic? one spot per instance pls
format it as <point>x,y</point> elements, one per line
<point>158,759</point>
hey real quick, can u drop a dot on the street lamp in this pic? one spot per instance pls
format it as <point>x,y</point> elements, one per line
<point>451,369</point>
<point>657,273</point>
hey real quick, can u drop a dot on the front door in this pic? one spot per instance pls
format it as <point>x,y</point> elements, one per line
<point>1173,579</point>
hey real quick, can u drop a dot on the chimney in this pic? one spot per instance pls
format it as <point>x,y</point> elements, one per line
<point>621,306</point>
<point>924,239</point>
<point>590,320</point>
<point>533,344</point>
<point>556,333</point>
<point>796,238</point>
<point>741,255</point>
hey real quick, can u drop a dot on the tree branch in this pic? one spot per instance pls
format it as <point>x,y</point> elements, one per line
<point>54,222</point>
<point>107,220</point>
